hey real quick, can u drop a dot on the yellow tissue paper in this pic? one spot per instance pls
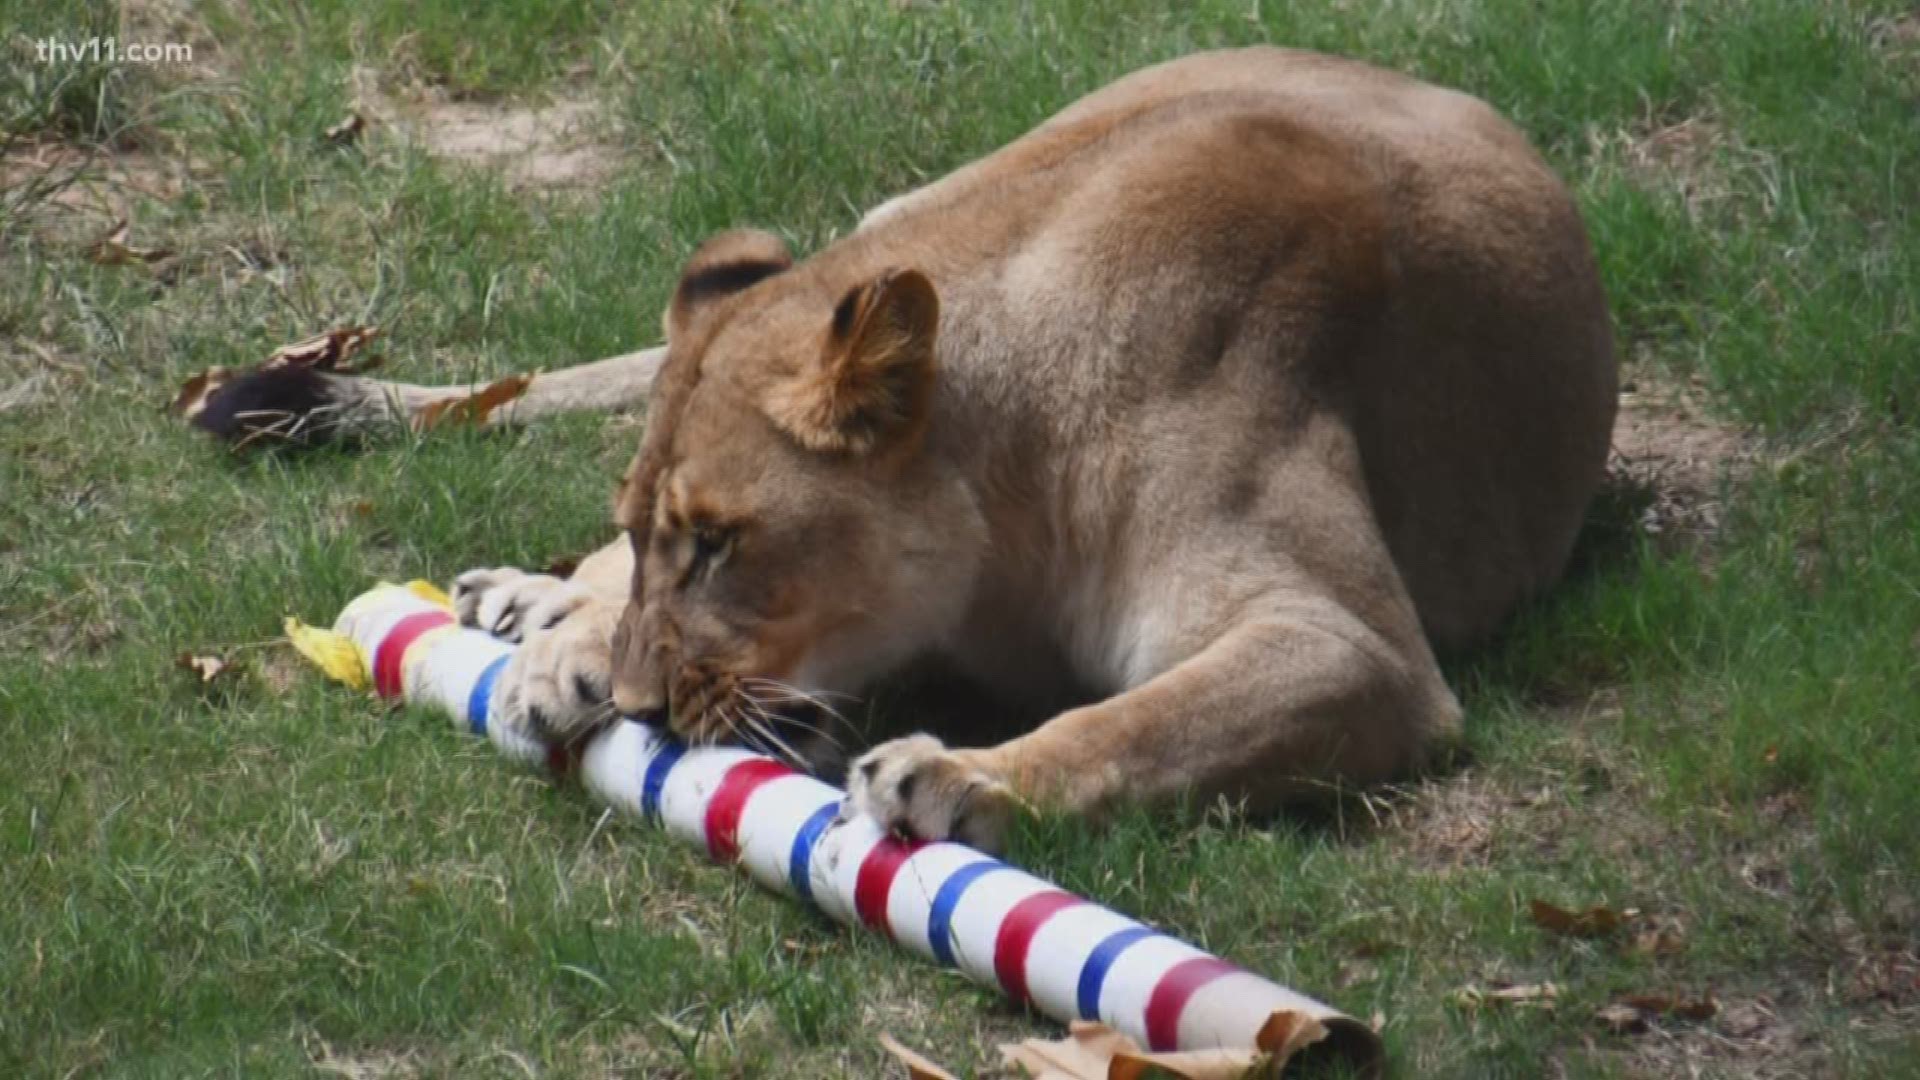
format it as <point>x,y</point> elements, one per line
<point>334,654</point>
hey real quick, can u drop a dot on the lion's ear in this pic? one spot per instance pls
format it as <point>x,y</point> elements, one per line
<point>871,382</point>
<point>724,265</point>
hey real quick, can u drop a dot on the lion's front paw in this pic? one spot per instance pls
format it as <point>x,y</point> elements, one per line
<point>512,604</point>
<point>917,787</point>
<point>559,684</point>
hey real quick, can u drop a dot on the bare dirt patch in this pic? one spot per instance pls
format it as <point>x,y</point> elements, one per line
<point>544,147</point>
<point>557,144</point>
<point>1676,459</point>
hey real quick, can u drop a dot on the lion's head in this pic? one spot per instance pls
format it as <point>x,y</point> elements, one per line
<point>792,532</point>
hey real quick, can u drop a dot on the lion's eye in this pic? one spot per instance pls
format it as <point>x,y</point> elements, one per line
<point>711,546</point>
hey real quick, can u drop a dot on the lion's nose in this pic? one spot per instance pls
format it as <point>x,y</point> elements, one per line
<point>650,715</point>
<point>639,686</point>
<point>641,698</point>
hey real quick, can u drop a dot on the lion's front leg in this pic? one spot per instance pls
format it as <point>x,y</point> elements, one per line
<point>1278,709</point>
<point>558,686</point>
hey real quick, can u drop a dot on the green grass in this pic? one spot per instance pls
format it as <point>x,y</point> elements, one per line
<point>273,876</point>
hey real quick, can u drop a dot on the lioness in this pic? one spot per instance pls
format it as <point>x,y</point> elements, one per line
<point>1196,415</point>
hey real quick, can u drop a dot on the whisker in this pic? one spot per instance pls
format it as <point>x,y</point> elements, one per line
<point>765,732</point>
<point>779,745</point>
<point>759,707</point>
<point>818,700</point>
<point>810,695</point>
<point>730,727</point>
<point>765,736</point>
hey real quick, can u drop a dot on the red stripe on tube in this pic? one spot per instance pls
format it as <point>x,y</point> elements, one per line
<point>730,801</point>
<point>1170,996</point>
<point>391,656</point>
<point>1010,945</point>
<point>875,881</point>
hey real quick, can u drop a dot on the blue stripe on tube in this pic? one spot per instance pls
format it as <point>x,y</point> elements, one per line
<point>800,859</point>
<point>481,696</point>
<point>1093,977</point>
<point>940,918</point>
<point>656,777</point>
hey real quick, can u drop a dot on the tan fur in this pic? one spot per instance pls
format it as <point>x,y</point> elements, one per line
<point>1214,399</point>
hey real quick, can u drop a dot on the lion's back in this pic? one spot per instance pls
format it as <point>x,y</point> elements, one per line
<point>1263,231</point>
<point>1177,271</point>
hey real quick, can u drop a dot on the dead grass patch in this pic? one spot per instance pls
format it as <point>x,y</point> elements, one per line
<point>1700,160</point>
<point>363,1063</point>
<point>1680,155</point>
<point>1481,820</point>
<point>1897,38</point>
<point>175,22</point>
<point>138,161</point>
<point>1773,1033</point>
<point>1446,824</point>
<point>96,186</point>
<point>1750,1037</point>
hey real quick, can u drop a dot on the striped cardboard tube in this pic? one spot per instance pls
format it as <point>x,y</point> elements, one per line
<point>1067,957</point>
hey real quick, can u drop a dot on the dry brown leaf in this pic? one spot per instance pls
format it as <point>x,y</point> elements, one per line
<point>1538,995</point>
<point>918,1068</point>
<point>1622,1019</point>
<point>346,131</point>
<point>327,352</point>
<point>208,668</point>
<point>1192,1065</point>
<point>564,566</point>
<point>116,248</point>
<point>46,355</point>
<point>1085,1054</point>
<point>1287,1033</point>
<point>1096,1052</point>
<point>473,408</point>
<point>1683,1008</point>
<point>1630,1013</point>
<point>1659,941</point>
<point>193,395</point>
<point>1596,921</point>
<point>21,393</point>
